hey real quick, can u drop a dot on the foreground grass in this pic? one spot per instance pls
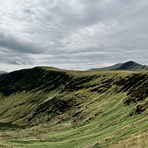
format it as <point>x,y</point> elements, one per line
<point>138,140</point>
<point>112,125</point>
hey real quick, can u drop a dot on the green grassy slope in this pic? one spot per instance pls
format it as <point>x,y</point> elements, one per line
<point>48,107</point>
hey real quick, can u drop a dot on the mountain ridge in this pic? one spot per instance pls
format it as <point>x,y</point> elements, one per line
<point>130,65</point>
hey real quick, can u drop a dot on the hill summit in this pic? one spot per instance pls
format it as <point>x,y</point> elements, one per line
<point>130,65</point>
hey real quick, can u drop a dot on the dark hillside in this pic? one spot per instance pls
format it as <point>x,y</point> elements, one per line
<point>31,79</point>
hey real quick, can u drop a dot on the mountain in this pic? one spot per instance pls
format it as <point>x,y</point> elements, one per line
<point>2,72</point>
<point>50,107</point>
<point>130,65</point>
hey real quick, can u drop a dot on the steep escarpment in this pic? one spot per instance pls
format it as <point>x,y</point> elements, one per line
<point>136,86</point>
<point>60,92</point>
<point>97,104</point>
<point>31,79</point>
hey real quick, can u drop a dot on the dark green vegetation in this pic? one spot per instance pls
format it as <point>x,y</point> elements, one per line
<point>48,107</point>
<point>133,66</point>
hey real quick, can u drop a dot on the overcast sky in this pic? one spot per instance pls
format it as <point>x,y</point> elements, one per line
<point>72,34</point>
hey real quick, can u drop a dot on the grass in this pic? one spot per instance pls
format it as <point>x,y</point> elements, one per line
<point>104,130</point>
<point>95,114</point>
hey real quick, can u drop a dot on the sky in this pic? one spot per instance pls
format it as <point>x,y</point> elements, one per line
<point>72,34</point>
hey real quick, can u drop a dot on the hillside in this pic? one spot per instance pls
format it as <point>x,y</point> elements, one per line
<point>50,107</point>
<point>130,65</point>
<point>2,72</point>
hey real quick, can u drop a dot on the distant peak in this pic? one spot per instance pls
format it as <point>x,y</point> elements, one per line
<point>130,65</point>
<point>131,62</point>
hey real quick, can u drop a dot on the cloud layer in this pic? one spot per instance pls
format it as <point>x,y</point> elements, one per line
<point>75,34</point>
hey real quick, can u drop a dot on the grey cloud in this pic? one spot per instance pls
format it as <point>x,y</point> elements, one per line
<point>74,32</point>
<point>16,59</point>
<point>15,44</point>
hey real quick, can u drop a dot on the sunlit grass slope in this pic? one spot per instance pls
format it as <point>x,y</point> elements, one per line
<point>48,107</point>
